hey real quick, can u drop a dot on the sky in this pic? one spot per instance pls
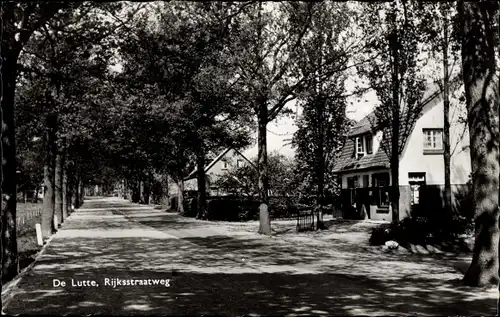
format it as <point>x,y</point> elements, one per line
<point>281,130</point>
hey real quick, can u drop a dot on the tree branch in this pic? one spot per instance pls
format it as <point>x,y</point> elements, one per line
<point>284,67</point>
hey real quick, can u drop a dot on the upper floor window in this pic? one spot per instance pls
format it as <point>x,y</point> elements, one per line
<point>239,163</point>
<point>225,164</point>
<point>360,149</point>
<point>369,144</point>
<point>364,145</point>
<point>433,139</point>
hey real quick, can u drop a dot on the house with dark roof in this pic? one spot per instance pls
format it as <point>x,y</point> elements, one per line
<point>226,160</point>
<point>364,166</point>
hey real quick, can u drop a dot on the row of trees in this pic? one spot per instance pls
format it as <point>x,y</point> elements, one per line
<point>196,77</point>
<point>54,62</point>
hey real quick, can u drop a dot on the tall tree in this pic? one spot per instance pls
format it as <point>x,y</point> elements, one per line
<point>394,76</point>
<point>58,186</point>
<point>49,171</point>
<point>440,30</point>
<point>480,42</point>
<point>318,140</point>
<point>198,103</point>
<point>320,129</point>
<point>265,51</point>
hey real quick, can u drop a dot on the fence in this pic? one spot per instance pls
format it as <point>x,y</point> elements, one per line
<point>305,220</point>
<point>28,215</point>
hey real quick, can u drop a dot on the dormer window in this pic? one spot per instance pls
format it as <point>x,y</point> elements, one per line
<point>364,145</point>
<point>360,149</point>
<point>369,144</point>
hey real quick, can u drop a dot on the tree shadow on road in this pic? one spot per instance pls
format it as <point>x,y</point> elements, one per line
<point>234,276</point>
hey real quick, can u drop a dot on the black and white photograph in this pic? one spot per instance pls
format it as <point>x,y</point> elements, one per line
<point>250,158</point>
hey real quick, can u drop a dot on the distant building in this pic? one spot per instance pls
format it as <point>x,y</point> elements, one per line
<point>227,159</point>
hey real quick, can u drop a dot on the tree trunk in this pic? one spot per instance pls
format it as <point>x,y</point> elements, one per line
<point>141,192</point>
<point>74,195</point>
<point>58,187</point>
<point>320,170</point>
<point>136,192</point>
<point>446,126</point>
<point>147,191</point>
<point>394,160</point>
<point>48,173</point>
<point>482,95</point>
<point>263,183</point>
<point>125,189</point>
<point>65,194</point>
<point>165,201</point>
<point>180,200</point>
<point>76,190</point>
<point>81,191</point>
<point>69,196</point>
<point>35,198</point>
<point>200,178</point>
<point>9,190</point>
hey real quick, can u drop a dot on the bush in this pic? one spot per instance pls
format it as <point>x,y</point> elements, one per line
<point>409,230</point>
<point>463,218</point>
<point>420,231</point>
<point>224,208</point>
<point>282,207</point>
<point>229,208</point>
<point>381,234</point>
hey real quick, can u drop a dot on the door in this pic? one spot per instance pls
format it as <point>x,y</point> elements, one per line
<point>417,185</point>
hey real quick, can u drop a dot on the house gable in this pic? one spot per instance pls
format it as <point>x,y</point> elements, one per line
<point>369,124</point>
<point>416,159</point>
<point>227,159</point>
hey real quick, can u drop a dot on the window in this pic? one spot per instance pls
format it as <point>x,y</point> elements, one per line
<point>366,180</point>
<point>416,181</point>
<point>363,145</point>
<point>383,201</point>
<point>239,163</point>
<point>415,194</point>
<point>360,149</point>
<point>369,144</point>
<point>381,182</point>
<point>225,165</point>
<point>352,182</point>
<point>433,139</point>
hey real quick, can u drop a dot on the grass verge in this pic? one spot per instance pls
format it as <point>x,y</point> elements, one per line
<point>27,246</point>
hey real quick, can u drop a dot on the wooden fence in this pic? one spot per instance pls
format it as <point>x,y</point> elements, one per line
<point>28,215</point>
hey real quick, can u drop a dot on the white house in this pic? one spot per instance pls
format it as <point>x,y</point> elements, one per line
<point>227,159</point>
<point>363,163</point>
